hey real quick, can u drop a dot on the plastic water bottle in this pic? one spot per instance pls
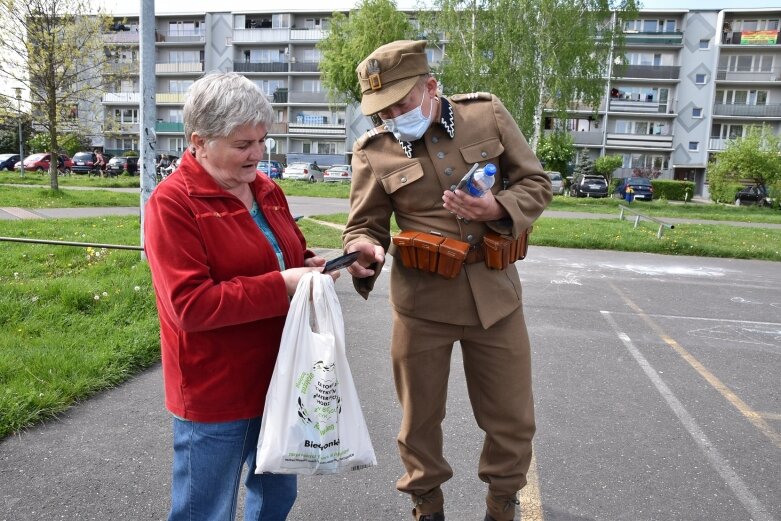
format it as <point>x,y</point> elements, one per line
<point>482,181</point>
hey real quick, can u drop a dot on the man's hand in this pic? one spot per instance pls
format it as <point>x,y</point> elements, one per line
<point>485,208</point>
<point>370,254</point>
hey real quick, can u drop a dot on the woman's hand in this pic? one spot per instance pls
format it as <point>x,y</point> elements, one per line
<point>293,275</point>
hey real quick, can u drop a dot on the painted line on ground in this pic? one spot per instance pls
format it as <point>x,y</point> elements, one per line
<point>714,457</point>
<point>530,497</point>
<point>750,414</point>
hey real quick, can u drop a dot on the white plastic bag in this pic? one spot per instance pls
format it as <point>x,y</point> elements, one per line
<point>312,422</point>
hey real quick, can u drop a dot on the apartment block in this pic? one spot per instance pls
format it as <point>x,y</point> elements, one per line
<point>686,83</point>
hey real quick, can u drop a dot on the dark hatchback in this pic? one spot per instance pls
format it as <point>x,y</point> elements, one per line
<point>118,165</point>
<point>753,195</point>
<point>641,188</point>
<point>7,161</point>
<point>588,186</point>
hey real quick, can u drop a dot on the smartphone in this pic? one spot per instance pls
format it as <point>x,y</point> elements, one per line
<point>464,180</point>
<point>341,262</point>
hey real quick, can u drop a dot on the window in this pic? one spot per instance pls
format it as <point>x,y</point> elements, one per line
<point>179,86</point>
<point>326,148</point>
<point>699,79</point>
<point>694,146</point>
<point>697,112</point>
<point>704,44</point>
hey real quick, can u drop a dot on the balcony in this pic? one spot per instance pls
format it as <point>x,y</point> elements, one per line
<point>280,127</point>
<point>123,68</point>
<point>178,68</point>
<point>169,127</point>
<point>318,129</point>
<point>644,107</point>
<point>772,76</point>
<point>673,38</point>
<point>659,142</point>
<point>120,98</point>
<point>756,111</point>
<point>179,37</point>
<point>120,37</point>
<point>312,35</point>
<point>307,97</point>
<point>587,137</point>
<point>260,35</point>
<point>170,97</point>
<point>650,72</point>
<point>751,38</point>
<point>297,66</point>
<point>260,67</point>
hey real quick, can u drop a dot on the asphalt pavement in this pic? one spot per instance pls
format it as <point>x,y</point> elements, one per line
<point>656,388</point>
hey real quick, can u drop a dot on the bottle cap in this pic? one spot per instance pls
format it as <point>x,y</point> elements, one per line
<point>489,169</point>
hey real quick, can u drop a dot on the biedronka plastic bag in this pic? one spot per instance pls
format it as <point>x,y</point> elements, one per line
<point>312,422</point>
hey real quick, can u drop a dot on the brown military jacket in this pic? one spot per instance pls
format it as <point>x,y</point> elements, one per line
<point>407,180</point>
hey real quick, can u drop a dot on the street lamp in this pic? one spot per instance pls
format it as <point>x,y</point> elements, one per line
<point>21,140</point>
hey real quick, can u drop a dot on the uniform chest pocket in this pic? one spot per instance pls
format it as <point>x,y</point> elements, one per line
<point>401,177</point>
<point>483,151</point>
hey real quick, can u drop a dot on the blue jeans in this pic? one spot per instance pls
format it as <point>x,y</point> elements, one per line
<point>208,459</point>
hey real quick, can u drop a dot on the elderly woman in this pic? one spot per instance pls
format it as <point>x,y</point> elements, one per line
<point>225,255</point>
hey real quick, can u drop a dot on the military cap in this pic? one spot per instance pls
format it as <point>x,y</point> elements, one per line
<point>390,72</point>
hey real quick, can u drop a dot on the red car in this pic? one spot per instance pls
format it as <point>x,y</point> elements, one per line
<point>40,163</point>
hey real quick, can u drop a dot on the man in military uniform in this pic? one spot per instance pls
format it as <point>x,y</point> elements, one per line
<point>408,168</point>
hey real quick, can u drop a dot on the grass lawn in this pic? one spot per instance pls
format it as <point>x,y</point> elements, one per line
<point>33,178</point>
<point>47,198</point>
<point>78,320</point>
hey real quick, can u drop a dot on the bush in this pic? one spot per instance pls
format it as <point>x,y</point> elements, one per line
<point>725,192</point>
<point>673,190</point>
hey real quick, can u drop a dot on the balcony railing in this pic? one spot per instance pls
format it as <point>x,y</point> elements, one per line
<point>121,97</point>
<point>182,36</point>
<point>260,35</point>
<point>318,128</point>
<point>121,37</point>
<point>299,66</point>
<point>653,72</point>
<point>260,67</point>
<point>751,38</point>
<point>308,34</point>
<point>773,75</point>
<point>766,111</point>
<point>279,127</point>
<point>654,38</point>
<point>170,97</point>
<point>162,68</point>
<point>639,141</point>
<point>629,105</point>
<point>307,97</point>
<point>587,137</point>
<point>169,126</point>
<point>123,68</point>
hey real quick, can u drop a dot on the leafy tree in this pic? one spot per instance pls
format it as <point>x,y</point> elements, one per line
<point>555,151</point>
<point>534,54</point>
<point>756,157</point>
<point>56,50</point>
<point>69,143</point>
<point>352,38</point>
<point>606,165</point>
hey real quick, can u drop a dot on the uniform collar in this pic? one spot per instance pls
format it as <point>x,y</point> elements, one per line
<point>446,120</point>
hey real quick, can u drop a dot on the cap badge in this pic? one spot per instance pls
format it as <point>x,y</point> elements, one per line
<point>373,68</point>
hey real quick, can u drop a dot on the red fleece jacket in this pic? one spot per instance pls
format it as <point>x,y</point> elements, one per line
<point>220,297</point>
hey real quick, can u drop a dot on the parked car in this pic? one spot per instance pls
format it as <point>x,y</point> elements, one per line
<point>303,172</point>
<point>87,163</point>
<point>8,161</point>
<point>40,163</point>
<point>276,169</point>
<point>557,182</point>
<point>118,165</point>
<point>641,188</point>
<point>753,195</point>
<point>588,186</point>
<point>337,173</point>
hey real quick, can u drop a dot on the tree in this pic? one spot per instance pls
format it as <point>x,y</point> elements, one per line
<point>55,49</point>
<point>534,54</point>
<point>606,165</point>
<point>585,166</point>
<point>756,157</point>
<point>555,151</point>
<point>352,38</point>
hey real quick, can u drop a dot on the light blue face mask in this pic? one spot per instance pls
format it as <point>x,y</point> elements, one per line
<point>411,125</point>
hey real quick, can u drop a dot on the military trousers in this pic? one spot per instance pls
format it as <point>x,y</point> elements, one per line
<point>497,367</point>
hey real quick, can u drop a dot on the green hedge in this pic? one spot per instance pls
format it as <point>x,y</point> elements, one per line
<point>725,192</point>
<point>673,190</point>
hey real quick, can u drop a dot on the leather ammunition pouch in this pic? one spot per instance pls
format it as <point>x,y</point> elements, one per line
<point>434,254</point>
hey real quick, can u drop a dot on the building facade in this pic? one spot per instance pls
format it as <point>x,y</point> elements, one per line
<point>688,81</point>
